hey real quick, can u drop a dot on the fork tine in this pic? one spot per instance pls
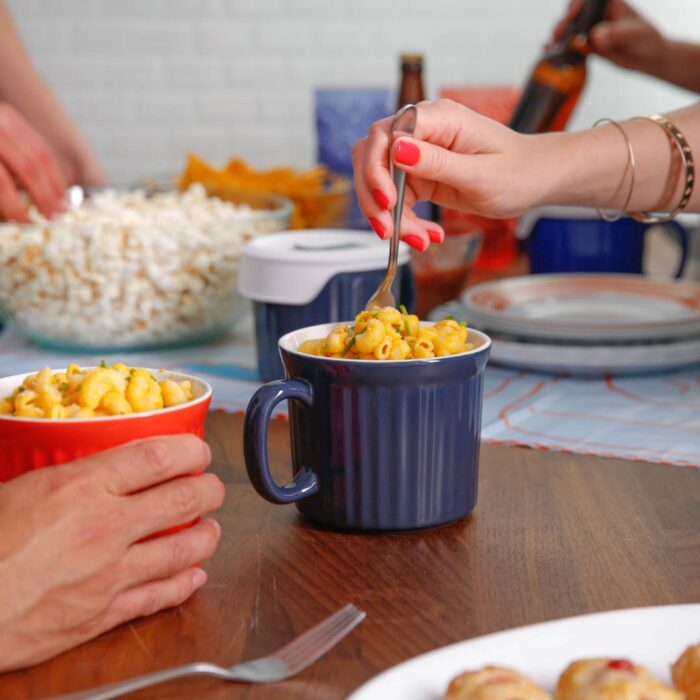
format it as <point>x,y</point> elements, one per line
<point>322,633</point>
<point>338,617</point>
<point>301,657</point>
<point>312,644</point>
<point>328,626</point>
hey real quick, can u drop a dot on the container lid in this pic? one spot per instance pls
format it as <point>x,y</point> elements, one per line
<point>293,267</point>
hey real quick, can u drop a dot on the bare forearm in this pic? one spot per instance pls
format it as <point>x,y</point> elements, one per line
<point>23,88</point>
<point>680,65</point>
<point>590,168</point>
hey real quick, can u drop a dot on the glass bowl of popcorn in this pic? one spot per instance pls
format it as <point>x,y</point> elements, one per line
<point>130,270</point>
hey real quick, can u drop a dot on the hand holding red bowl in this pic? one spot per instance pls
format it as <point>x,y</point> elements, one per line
<point>76,556</point>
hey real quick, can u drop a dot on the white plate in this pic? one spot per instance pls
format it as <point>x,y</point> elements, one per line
<point>654,637</point>
<point>586,307</point>
<point>571,357</point>
<point>596,359</point>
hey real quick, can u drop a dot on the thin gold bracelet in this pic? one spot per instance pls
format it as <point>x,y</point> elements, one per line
<point>675,136</point>
<point>631,164</point>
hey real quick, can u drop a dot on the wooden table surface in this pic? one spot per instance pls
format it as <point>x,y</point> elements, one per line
<point>552,535</point>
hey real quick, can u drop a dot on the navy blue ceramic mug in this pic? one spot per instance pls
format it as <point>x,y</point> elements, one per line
<point>571,239</point>
<point>375,445</point>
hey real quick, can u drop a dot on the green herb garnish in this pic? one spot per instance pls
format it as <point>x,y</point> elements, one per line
<point>406,328</point>
<point>63,387</point>
<point>449,317</point>
<point>403,309</point>
<point>463,323</point>
<point>21,389</point>
<point>103,363</point>
<point>348,347</point>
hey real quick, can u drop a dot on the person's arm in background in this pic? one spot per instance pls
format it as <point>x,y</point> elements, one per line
<point>463,160</point>
<point>628,39</point>
<point>75,560</point>
<point>41,149</point>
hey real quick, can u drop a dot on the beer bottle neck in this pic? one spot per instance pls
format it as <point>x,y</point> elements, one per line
<point>592,12</point>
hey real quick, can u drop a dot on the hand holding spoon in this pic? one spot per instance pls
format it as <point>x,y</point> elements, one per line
<point>403,124</point>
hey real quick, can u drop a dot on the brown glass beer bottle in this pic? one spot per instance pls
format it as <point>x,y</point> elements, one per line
<point>557,80</point>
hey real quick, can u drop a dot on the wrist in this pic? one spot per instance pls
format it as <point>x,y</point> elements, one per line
<point>665,61</point>
<point>585,168</point>
<point>591,168</point>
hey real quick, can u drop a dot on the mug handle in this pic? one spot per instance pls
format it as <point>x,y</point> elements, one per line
<point>255,426</point>
<point>683,237</point>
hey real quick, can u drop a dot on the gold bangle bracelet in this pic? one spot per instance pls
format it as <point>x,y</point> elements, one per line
<point>676,136</point>
<point>631,164</point>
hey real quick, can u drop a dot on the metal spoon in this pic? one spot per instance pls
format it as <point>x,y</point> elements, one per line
<point>403,124</point>
<point>75,196</point>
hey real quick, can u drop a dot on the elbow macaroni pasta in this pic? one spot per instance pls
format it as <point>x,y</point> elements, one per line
<point>390,334</point>
<point>90,393</point>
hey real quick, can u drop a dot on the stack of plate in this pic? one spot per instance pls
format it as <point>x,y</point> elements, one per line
<point>586,323</point>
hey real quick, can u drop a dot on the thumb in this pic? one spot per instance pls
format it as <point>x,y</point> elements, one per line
<point>430,162</point>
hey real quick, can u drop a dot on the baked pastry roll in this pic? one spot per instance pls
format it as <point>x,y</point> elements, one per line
<point>611,679</point>
<point>686,672</point>
<point>494,683</point>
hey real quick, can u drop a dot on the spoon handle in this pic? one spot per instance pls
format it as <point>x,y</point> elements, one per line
<point>399,177</point>
<point>404,124</point>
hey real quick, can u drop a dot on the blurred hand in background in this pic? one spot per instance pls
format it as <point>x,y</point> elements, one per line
<point>629,40</point>
<point>41,149</point>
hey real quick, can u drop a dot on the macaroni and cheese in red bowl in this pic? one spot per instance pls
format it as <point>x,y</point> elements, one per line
<point>49,418</point>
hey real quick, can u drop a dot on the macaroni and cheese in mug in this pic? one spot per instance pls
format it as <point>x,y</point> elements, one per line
<point>391,334</point>
<point>90,393</point>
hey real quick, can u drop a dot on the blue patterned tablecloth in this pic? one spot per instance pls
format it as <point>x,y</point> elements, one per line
<point>650,418</point>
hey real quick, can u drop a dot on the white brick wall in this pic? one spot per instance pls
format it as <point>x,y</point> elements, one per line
<point>150,79</point>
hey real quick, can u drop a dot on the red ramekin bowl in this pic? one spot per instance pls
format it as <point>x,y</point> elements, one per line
<point>33,443</point>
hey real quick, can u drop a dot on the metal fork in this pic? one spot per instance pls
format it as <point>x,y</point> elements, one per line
<point>291,659</point>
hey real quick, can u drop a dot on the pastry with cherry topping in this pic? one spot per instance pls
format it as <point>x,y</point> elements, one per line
<point>611,679</point>
<point>494,683</point>
<point>686,672</point>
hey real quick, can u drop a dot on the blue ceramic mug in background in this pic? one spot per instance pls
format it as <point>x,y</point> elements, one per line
<point>302,278</point>
<point>375,445</point>
<point>571,239</point>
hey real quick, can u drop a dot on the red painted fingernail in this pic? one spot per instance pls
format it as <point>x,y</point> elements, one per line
<point>406,153</point>
<point>435,236</point>
<point>415,242</point>
<point>380,198</point>
<point>378,228</point>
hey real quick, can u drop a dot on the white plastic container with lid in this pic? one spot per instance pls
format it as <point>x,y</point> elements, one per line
<point>302,278</point>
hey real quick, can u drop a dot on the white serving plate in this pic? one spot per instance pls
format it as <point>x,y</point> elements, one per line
<point>654,637</point>
<point>587,307</point>
<point>596,359</point>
